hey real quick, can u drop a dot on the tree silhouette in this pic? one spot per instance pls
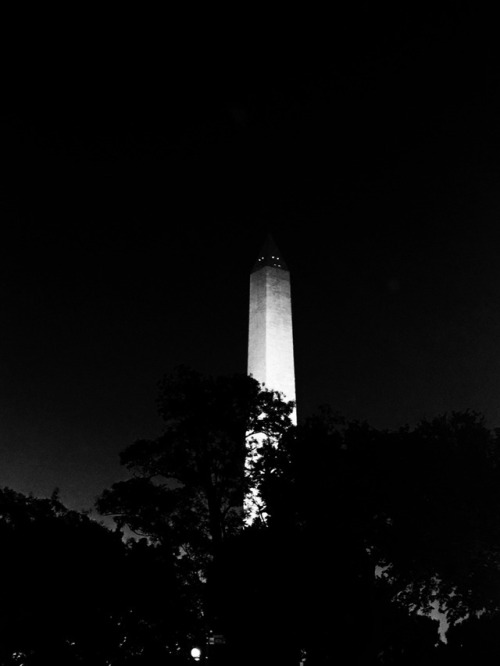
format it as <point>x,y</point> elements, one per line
<point>407,519</point>
<point>188,485</point>
<point>477,640</point>
<point>368,530</point>
<point>438,530</point>
<point>74,593</point>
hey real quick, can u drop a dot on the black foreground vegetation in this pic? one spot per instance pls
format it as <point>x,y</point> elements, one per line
<point>368,534</point>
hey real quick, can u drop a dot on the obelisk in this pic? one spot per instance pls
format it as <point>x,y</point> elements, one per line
<point>270,348</point>
<point>270,331</point>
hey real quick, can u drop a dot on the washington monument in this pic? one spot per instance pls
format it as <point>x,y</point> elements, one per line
<point>270,334</point>
<point>270,347</point>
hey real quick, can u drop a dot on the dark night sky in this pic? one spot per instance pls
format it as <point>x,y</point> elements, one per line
<point>140,182</point>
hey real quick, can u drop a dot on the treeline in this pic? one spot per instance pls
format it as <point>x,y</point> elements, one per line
<point>365,537</point>
<point>74,593</point>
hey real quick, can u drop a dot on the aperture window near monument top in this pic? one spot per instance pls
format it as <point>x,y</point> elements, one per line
<point>277,262</point>
<point>270,256</point>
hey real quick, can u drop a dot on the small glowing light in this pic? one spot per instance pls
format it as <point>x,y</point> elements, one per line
<point>196,653</point>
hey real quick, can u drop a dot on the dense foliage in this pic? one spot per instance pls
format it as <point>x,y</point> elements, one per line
<point>368,534</point>
<point>422,504</point>
<point>74,593</point>
<point>187,486</point>
<point>387,525</point>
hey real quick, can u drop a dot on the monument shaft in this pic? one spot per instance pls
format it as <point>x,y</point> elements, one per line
<point>270,335</point>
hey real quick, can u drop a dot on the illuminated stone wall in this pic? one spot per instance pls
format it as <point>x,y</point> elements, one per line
<point>270,338</point>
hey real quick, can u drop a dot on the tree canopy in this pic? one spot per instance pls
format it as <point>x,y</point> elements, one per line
<point>74,593</point>
<point>369,531</point>
<point>407,518</point>
<point>188,484</point>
